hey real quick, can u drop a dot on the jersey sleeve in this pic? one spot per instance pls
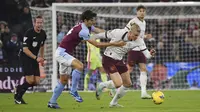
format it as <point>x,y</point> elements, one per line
<point>27,39</point>
<point>107,34</point>
<point>84,34</point>
<point>142,43</point>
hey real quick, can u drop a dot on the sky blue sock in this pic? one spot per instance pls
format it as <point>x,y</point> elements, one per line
<point>57,91</point>
<point>75,79</point>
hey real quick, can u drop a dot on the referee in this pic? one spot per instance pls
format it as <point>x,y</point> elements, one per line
<point>33,42</point>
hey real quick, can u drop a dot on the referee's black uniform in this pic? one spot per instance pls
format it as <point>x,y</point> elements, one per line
<point>33,41</point>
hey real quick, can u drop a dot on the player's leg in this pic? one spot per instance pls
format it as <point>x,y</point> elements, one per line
<point>58,90</point>
<point>104,78</point>
<point>30,68</point>
<point>21,89</point>
<point>103,74</point>
<point>115,82</point>
<point>132,58</point>
<point>91,67</point>
<point>64,71</point>
<point>110,68</point>
<point>77,72</point>
<point>122,89</point>
<point>143,81</point>
<point>87,79</point>
<point>143,76</point>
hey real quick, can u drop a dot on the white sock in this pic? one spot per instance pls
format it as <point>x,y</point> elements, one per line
<point>119,94</point>
<point>143,82</point>
<point>108,84</point>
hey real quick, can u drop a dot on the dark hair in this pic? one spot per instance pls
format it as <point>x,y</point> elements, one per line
<point>88,14</point>
<point>141,7</point>
<point>38,17</point>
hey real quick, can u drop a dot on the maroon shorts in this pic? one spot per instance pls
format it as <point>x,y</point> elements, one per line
<point>111,65</point>
<point>135,57</point>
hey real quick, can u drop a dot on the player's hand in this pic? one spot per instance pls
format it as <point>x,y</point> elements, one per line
<point>40,60</point>
<point>153,52</point>
<point>119,43</point>
<point>43,63</point>
<point>148,36</point>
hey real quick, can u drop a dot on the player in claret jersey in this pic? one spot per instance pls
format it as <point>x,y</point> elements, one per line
<point>78,33</point>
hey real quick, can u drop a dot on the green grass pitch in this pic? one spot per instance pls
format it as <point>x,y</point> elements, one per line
<point>175,101</point>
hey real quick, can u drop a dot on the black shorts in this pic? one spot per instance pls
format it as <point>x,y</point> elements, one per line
<point>30,66</point>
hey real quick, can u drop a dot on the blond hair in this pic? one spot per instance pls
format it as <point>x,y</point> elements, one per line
<point>134,27</point>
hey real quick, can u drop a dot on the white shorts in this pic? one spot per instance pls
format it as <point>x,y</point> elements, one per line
<point>65,60</point>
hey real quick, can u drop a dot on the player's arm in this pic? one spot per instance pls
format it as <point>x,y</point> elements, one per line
<point>26,43</point>
<point>144,49</point>
<point>105,44</point>
<point>148,54</point>
<point>97,30</point>
<point>42,48</point>
<point>29,53</point>
<point>92,40</point>
<point>106,34</point>
<point>42,51</point>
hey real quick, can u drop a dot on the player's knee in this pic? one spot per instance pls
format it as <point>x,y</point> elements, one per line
<point>30,81</point>
<point>143,69</point>
<point>119,84</point>
<point>130,67</point>
<point>64,82</point>
<point>128,84</point>
<point>80,67</point>
<point>64,79</point>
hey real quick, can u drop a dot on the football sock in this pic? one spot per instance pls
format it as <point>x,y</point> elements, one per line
<point>57,92</point>
<point>143,82</point>
<point>21,89</point>
<point>75,79</point>
<point>119,94</point>
<point>86,81</point>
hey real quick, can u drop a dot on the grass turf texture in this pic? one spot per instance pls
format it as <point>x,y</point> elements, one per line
<point>175,101</point>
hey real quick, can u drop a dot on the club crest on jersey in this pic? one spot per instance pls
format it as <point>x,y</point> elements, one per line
<point>34,44</point>
<point>112,68</point>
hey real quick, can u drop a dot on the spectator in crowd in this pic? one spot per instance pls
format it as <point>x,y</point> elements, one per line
<point>25,19</point>
<point>39,3</point>
<point>158,75</point>
<point>13,46</point>
<point>62,33</point>
<point>5,33</point>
